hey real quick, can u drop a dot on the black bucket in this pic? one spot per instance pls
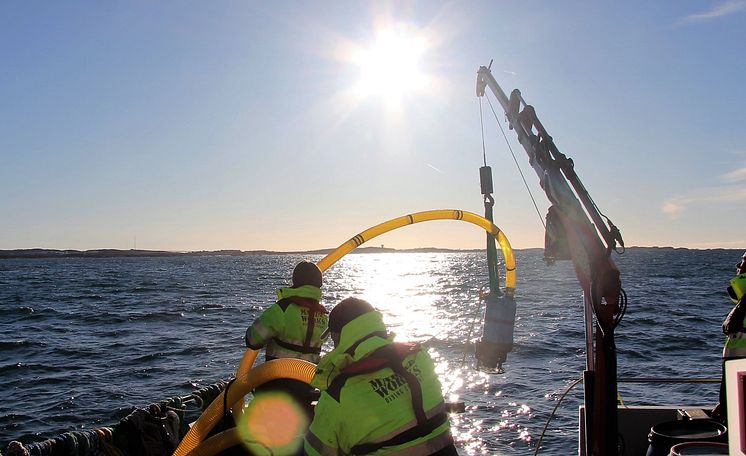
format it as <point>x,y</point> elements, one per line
<point>665,435</point>
<point>699,449</point>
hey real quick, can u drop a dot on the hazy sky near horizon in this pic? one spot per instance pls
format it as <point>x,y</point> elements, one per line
<point>269,125</point>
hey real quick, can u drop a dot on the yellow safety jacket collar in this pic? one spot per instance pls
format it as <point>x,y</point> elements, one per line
<point>305,291</point>
<point>359,338</point>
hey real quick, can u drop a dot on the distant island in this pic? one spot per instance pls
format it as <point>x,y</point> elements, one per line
<point>114,253</point>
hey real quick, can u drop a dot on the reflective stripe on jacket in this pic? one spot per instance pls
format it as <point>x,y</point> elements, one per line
<point>284,327</point>
<point>372,412</point>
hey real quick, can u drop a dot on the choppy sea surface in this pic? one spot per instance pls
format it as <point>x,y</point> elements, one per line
<point>84,339</point>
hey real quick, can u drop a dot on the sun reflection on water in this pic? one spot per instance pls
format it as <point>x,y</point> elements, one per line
<point>404,288</point>
<point>433,299</point>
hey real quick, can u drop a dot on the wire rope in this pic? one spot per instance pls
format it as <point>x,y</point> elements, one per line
<point>515,160</point>
<point>481,124</point>
<point>551,415</point>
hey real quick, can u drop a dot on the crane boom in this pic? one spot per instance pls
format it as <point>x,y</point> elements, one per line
<point>574,218</point>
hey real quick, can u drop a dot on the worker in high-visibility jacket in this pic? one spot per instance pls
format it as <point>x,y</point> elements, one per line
<point>293,327</point>
<point>378,397</point>
<point>734,327</point>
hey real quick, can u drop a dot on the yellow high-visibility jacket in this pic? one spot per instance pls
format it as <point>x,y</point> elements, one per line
<point>371,405</point>
<point>291,327</point>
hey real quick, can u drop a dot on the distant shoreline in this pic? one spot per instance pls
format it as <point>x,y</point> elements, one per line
<point>117,253</point>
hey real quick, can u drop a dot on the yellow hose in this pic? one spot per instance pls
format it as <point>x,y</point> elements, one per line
<point>243,370</point>
<point>217,443</point>
<point>295,369</point>
<point>440,214</point>
<point>246,362</point>
<point>247,379</point>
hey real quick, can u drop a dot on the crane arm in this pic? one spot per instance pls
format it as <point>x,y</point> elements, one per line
<point>589,244</point>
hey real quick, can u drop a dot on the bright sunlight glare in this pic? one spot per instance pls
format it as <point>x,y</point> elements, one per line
<point>391,67</point>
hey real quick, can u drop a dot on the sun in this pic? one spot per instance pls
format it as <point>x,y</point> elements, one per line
<point>391,67</point>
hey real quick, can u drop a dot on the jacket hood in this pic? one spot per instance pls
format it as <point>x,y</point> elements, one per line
<point>368,328</point>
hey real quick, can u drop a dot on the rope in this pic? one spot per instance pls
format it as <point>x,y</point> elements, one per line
<point>622,307</point>
<point>620,380</point>
<point>481,123</point>
<point>92,442</point>
<point>668,380</point>
<point>208,393</point>
<point>541,219</point>
<point>551,415</point>
<point>114,441</point>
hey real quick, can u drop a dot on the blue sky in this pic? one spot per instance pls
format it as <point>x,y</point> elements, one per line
<point>235,124</point>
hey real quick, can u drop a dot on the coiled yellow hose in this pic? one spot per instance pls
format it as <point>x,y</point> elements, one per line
<point>295,369</point>
<point>217,443</point>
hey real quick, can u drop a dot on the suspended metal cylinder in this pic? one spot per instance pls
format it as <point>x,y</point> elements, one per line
<point>485,180</point>
<point>497,336</point>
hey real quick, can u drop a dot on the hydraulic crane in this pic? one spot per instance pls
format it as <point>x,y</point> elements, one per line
<point>576,230</point>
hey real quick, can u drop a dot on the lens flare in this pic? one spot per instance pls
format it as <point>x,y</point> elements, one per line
<point>272,423</point>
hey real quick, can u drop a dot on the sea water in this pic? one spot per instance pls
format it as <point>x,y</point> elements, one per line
<point>82,340</point>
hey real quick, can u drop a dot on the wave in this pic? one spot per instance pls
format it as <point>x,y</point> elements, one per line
<point>13,345</point>
<point>27,368</point>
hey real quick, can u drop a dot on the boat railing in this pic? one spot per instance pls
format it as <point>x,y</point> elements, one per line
<point>668,380</point>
